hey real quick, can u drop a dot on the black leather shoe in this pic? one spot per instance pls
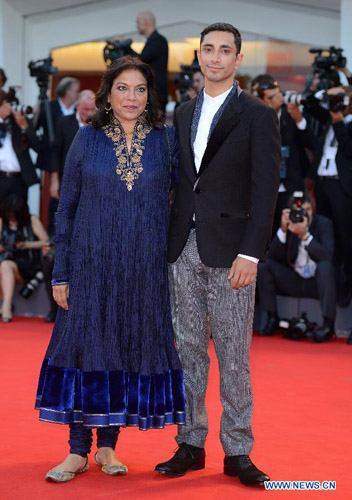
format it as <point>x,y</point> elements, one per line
<point>271,325</point>
<point>325,332</point>
<point>50,317</point>
<point>349,340</point>
<point>241,466</point>
<point>186,457</point>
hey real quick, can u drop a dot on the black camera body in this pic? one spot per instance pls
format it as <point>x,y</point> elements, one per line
<point>297,329</point>
<point>31,285</point>
<point>42,68</point>
<point>297,214</point>
<point>115,49</point>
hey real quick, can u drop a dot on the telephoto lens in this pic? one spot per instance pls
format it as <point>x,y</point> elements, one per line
<point>31,285</point>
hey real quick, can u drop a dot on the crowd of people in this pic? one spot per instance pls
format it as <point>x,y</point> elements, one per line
<point>316,160</point>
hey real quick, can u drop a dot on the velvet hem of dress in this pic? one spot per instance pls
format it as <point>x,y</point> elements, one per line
<point>110,398</point>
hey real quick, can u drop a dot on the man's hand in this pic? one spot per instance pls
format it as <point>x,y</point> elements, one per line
<point>54,186</point>
<point>285,219</point>
<point>299,228</point>
<point>60,294</point>
<point>336,116</point>
<point>20,119</point>
<point>243,272</point>
<point>295,112</point>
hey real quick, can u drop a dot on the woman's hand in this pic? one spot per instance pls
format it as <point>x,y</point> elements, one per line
<point>60,294</point>
<point>24,245</point>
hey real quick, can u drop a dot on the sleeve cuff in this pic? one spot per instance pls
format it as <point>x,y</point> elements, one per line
<point>281,235</point>
<point>307,241</point>
<point>302,125</point>
<point>252,259</point>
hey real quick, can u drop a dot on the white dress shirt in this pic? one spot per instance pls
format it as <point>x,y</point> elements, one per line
<point>303,265</point>
<point>66,111</point>
<point>78,118</point>
<point>8,158</point>
<point>210,106</point>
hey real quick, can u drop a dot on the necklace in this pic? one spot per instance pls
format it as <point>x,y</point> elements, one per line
<point>131,132</point>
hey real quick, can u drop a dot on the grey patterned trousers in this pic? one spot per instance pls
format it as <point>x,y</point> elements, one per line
<point>195,291</point>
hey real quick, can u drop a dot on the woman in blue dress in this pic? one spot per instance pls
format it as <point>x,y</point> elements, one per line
<point>112,361</point>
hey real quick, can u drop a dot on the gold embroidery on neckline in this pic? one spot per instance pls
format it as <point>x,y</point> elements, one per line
<point>129,164</point>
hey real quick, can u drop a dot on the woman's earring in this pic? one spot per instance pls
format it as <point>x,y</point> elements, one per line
<point>146,108</point>
<point>107,110</point>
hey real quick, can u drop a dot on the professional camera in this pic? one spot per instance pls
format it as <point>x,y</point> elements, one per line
<point>297,214</point>
<point>15,103</point>
<point>31,285</point>
<point>326,66</point>
<point>42,68</point>
<point>297,329</point>
<point>185,77</point>
<point>290,96</point>
<point>115,49</point>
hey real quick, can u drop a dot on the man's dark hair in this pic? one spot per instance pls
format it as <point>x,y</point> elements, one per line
<point>261,78</point>
<point>227,28</point>
<point>153,115</point>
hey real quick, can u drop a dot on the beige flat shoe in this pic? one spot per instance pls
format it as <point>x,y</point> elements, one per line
<point>64,476</point>
<point>111,470</point>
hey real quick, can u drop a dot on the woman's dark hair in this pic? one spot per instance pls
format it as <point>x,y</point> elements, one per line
<point>3,76</point>
<point>153,113</point>
<point>3,96</point>
<point>16,205</point>
<point>227,28</point>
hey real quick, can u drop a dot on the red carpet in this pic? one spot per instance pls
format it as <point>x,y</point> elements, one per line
<point>302,424</point>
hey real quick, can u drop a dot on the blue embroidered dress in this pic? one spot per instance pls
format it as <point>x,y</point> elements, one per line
<point>112,358</point>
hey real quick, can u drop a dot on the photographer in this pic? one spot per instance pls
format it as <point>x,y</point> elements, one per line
<point>300,265</point>
<point>17,136</point>
<point>295,137</point>
<point>155,53</point>
<point>21,237</point>
<point>332,175</point>
<point>67,94</point>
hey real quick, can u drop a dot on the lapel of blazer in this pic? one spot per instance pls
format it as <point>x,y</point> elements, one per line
<point>227,122</point>
<point>184,126</point>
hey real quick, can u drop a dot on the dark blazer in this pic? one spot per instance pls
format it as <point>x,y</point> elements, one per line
<point>235,197</point>
<point>320,248</point>
<point>22,143</point>
<point>155,53</point>
<point>343,158</point>
<point>44,156</point>
<point>66,129</point>
<point>297,140</point>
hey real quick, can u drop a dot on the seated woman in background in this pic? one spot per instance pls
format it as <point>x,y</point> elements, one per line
<point>21,237</point>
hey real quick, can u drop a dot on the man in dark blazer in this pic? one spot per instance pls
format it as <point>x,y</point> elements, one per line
<point>66,129</point>
<point>67,93</point>
<point>300,265</point>
<point>332,173</point>
<point>17,136</point>
<point>220,227</point>
<point>155,53</point>
<point>296,138</point>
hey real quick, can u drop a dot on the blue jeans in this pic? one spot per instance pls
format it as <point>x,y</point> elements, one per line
<point>81,438</point>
